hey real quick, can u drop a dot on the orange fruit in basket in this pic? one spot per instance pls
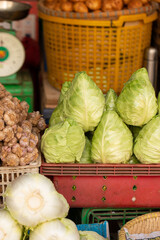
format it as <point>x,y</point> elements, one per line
<point>135,4</point>
<point>67,6</point>
<point>93,4</point>
<point>107,5</point>
<point>80,7</point>
<point>126,1</point>
<point>77,1</point>
<point>117,4</point>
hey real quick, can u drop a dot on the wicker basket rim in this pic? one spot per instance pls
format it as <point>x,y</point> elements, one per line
<point>136,220</point>
<point>108,15</point>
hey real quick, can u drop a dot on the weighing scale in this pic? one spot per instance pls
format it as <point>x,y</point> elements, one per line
<point>12,52</point>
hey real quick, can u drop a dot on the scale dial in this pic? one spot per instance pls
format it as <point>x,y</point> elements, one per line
<point>12,54</point>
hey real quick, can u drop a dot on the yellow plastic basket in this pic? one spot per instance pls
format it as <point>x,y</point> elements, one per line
<point>156,32</point>
<point>108,50</point>
<point>145,224</point>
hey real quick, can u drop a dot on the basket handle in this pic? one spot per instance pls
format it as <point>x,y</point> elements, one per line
<point>132,18</point>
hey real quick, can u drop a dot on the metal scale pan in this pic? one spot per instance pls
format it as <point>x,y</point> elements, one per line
<point>10,10</point>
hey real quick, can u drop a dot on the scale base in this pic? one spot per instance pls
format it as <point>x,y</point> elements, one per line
<point>12,79</point>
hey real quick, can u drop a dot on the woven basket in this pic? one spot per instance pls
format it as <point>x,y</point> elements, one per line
<point>145,224</point>
<point>8,174</point>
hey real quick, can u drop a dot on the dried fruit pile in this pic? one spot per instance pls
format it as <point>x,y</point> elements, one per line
<point>19,131</point>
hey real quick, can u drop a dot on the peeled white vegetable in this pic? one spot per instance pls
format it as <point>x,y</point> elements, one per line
<point>59,229</point>
<point>9,228</point>
<point>33,199</point>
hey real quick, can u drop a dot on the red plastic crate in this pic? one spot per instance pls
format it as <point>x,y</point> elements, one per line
<point>106,185</point>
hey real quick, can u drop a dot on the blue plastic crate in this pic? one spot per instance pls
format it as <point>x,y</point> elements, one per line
<point>101,228</point>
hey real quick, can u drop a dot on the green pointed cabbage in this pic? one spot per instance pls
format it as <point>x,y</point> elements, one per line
<point>112,141</point>
<point>32,199</point>
<point>86,155</point>
<point>137,103</point>
<point>63,142</point>
<point>110,100</point>
<point>147,143</point>
<point>57,115</point>
<point>9,228</point>
<point>84,102</point>
<point>65,86</point>
<point>58,229</point>
<point>90,235</point>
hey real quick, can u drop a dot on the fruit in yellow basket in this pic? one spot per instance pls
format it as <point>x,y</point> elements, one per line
<point>144,1</point>
<point>117,4</point>
<point>80,7</point>
<point>135,4</point>
<point>126,1</point>
<point>57,6</point>
<point>50,4</point>
<point>107,5</point>
<point>67,6</point>
<point>93,4</point>
<point>77,1</point>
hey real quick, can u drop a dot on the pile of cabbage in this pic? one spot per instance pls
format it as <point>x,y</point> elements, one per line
<point>34,210</point>
<point>90,127</point>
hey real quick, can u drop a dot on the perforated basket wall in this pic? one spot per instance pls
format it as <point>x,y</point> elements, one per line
<point>8,174</point>
<point>108,50</point>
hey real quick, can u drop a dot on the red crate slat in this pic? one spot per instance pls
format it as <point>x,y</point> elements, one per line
<point>114,191</point>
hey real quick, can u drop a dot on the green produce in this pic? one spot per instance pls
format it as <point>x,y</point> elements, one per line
<point>147,143</point>
<point>84,102</point>
<point>135,131</point>
<point>32,199</point>
<point>137,103</point>
<point>112,141</point>
<point>63,142</point>
<point>90,235</point>
<point>65,86</point>
<point>86,155</point>
<point>9,228</point>
<point>110,99</point>
<point>59,229</point>
<point>133,160</point>
<point>57,115</point>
